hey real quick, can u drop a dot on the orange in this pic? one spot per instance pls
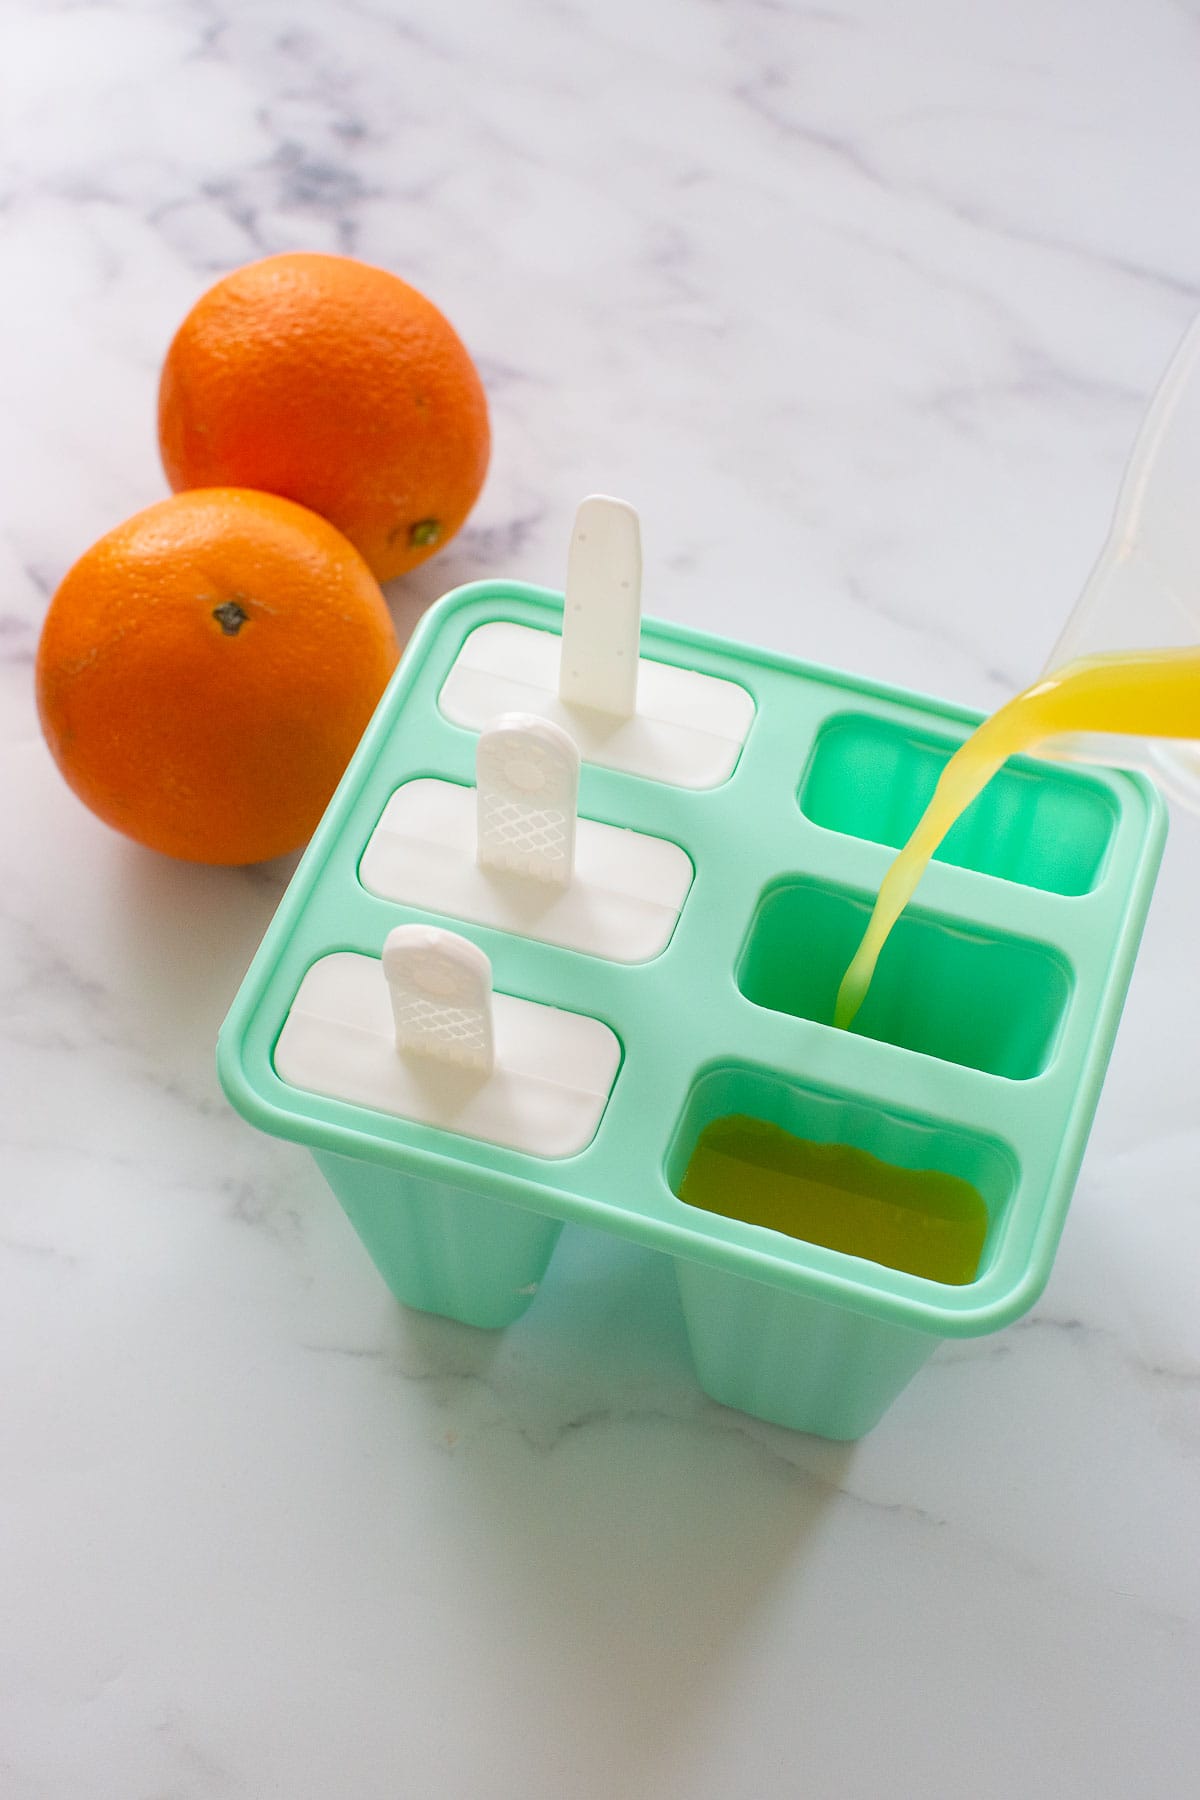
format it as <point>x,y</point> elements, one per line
<point>337,385</point>
<point>206,670</point>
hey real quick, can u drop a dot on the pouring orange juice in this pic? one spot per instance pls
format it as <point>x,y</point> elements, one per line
<point>1146,701</point>
<point>1145,588</point>
<point>1145,693</point>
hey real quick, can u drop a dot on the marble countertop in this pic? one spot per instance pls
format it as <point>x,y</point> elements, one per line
<point>860,305</point>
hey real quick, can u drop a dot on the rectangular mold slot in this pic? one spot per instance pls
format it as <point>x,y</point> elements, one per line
<point>623,900</point>
<point>907,1142</point>
<point>957,992</point>
<point>1040,826</point>
<point>544,1095</point>
<point>687,731</point>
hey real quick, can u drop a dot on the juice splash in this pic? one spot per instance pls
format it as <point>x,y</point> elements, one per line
<point>1143,693</point>
<point>916,1220</point>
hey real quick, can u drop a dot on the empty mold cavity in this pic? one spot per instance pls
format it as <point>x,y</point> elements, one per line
<point>1034,824</point>
<point>988,1000</point>
<point>903,1144</point>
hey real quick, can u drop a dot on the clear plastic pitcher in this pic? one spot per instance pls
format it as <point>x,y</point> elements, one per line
<point>1144,592</point>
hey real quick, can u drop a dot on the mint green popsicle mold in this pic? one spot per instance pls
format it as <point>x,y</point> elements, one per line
<point>980,1051</point>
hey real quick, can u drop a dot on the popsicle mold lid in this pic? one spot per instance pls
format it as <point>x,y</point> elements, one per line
<point>686,1028</point>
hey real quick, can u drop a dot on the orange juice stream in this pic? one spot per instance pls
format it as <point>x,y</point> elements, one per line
<point>1142,693</point>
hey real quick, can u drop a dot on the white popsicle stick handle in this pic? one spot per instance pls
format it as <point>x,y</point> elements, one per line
<point>441,989</point>
<point>527,787</point>
<point>602,615</point>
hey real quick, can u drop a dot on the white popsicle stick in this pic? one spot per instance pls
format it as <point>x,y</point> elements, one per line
<point>527,796</point>
<point>441,989</point>
<point>602,614</point>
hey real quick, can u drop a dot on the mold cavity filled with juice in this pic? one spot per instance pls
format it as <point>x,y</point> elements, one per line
<point>919,1221</point>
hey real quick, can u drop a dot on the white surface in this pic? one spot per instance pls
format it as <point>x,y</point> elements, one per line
<point>602,609</point>
<point>623,902</point>
<point>440,988</point>
<point>544,1094</point>
<point>527,799</point>
<point>688,729</point>
<point>861,305</point>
